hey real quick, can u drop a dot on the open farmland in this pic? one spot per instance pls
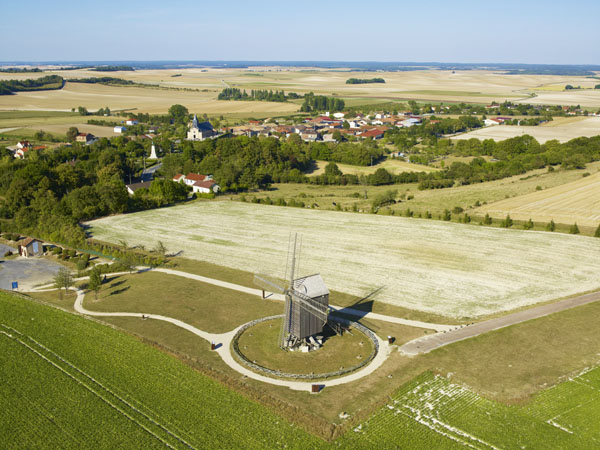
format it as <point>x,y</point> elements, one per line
<point>581,126</point>
<point>443,268</point>
<point>578,201</point>
<point>472,86</point>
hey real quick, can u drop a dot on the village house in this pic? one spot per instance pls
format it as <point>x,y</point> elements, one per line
<point>310,136</point>
<point>203,184</point>
<point>200,131</point>
<point>119,129</point>
<point>85,138</point>
<point>31,247</point>
<point>131,122</point>
<point>131,188</point>
<point>490,122</point>
<point>373,134</point>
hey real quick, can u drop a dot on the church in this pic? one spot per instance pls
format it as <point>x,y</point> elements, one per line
<point>200,130</point>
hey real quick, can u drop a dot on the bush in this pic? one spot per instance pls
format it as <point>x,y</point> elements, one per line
<point>447,216</point>
<point>457,210</point>
<point>72,253</point>
<point>8,253</point>
<point>81,264</point>
<point>528,225</point>
<point>57,250</point>
<point>487,220</point>
<point>574,229</point>
<point>551,226</point>
<point>507,222</point>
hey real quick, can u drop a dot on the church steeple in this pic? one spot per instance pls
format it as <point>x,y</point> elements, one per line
<point>195,122</point>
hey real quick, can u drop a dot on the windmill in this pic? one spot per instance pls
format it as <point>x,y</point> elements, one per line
<point>306,305</point>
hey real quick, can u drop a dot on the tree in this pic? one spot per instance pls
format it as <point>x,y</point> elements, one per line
<point>82,111</point>
<point>337,136</point>
<point>487,220</point>
<point>528,225</point>
<point>179,113</point>
<point>72,133</point>
<point>63,279</point>
<point>95,281</point>
<point>332,169</point>
<point>507,222</point>
<point>574,229</point>
<point>597,233</point>
<point>551,226</point>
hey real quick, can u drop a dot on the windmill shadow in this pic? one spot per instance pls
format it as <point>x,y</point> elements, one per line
<point>361,307</point>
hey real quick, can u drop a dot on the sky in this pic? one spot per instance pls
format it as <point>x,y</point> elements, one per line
<point>506,31</point>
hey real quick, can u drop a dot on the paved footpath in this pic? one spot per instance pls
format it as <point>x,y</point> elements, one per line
<point>431,342</point>
<point>348,311</point>
<point>224,340</point>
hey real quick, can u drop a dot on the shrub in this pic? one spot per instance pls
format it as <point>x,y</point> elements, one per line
<point>457,210</point>
<point>447,216</point>
<point>487,220</point>
<point>551,226</point>
<point>507,222</point>
<point>528,225</point>
<point>574,229</point>
<point>81,264</point>
<point>57,250</point>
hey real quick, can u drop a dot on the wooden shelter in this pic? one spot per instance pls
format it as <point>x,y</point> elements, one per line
<point>31,247</point>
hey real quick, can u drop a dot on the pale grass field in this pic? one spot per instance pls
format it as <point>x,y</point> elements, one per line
<point>392,165</point>
<point>427,265</point>
<point>563,132</point>
<point>425,85</point>
<point>578,201</point>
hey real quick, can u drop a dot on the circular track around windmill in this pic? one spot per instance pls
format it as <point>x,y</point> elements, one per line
<point>349,366</point>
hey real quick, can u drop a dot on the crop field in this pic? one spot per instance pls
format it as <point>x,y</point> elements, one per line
<point>584,126</point>
<point>94,96</point>
<point>561,417</point>
<point>427,265</point>
<point>90,386</point>
<point>578,201</point>
<point>426,85</point>
<point>391,165</point>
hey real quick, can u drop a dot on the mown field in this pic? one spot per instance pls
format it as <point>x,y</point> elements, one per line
<point>435,201</point>
<point>585,126</point>
<point>578,201</point>
<point>428,265</point>
<point>391,165</point>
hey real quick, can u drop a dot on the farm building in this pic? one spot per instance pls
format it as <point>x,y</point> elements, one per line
<point>86,138</point>
<point>200,130</point>
<point>119,129</point>
<point>31,247</point>
<point>131,122</point>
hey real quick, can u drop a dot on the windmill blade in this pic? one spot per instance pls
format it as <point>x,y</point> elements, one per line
<point>268,285</point>
<point>317,309</point>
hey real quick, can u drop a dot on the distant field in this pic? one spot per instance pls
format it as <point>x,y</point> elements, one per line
<point>578,201</point>
<point>431,266</point>
<point>427,85</point>
<point>392,165</point>
<point>563,132</point>
<point>433,200</point>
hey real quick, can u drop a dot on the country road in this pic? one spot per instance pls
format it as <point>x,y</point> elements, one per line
<point>428,343</point>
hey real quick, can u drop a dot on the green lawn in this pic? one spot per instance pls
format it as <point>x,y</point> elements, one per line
<point>211,308</point>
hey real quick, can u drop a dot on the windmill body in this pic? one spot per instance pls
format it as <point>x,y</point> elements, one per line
<point>306,308</point>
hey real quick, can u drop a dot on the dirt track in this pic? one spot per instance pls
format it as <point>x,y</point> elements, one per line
<point>431,342</point>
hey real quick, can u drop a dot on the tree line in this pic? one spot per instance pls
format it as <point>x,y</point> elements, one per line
<point>49,82</point>
<point>364,80</point>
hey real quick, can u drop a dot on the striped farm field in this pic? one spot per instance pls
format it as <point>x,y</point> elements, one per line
<point>578,201</point>
<point>563,417</point>
<point>432,266</point>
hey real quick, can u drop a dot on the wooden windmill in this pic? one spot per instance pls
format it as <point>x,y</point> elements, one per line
<point>306,305</point>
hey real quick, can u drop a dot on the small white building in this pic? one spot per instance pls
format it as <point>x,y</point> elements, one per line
<point>490,122</point>
<point>131,122</point>
<point>119,129</point>
<point>199,183</point>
